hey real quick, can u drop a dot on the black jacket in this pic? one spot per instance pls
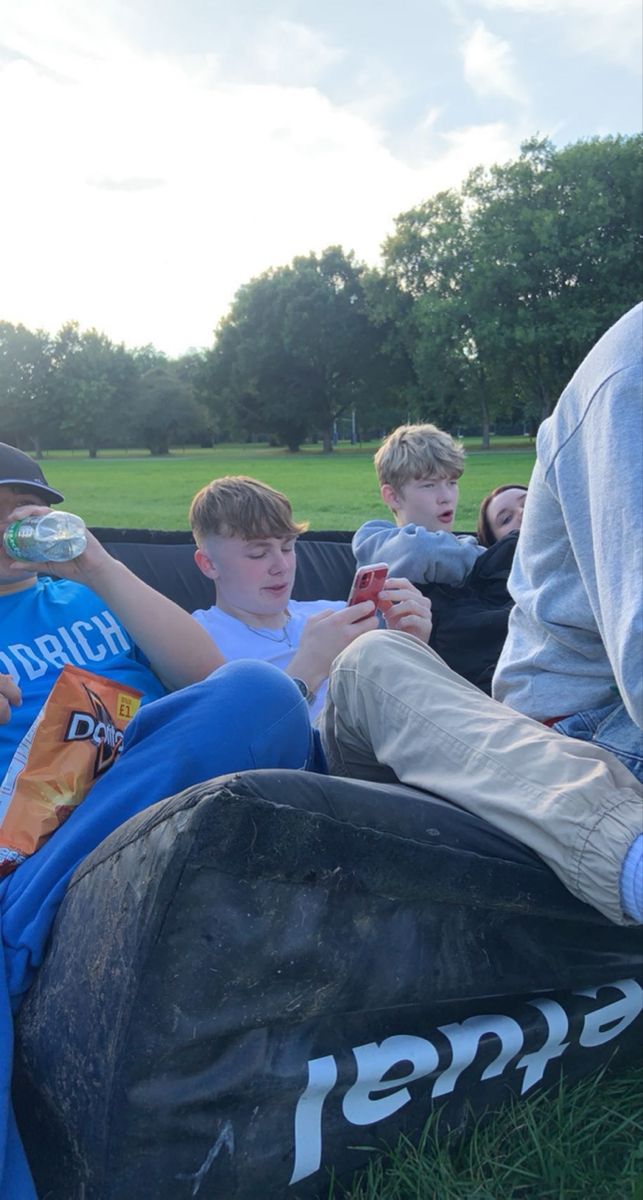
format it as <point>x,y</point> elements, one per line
<point>470,622</point>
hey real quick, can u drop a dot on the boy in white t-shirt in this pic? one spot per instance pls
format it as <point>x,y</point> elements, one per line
<point>246,539</point>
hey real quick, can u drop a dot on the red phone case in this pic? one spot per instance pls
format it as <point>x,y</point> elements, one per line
<point>368,583</point>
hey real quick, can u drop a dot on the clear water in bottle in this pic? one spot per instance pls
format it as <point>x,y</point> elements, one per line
<point>55,537</point>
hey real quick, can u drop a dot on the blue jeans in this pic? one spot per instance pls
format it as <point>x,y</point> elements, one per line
<point>246,715</point>
<point>612,728</point>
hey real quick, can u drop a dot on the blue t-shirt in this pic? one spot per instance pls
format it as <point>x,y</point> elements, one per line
<point>53,623</point>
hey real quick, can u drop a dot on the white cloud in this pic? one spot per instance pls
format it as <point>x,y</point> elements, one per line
<point>430,119</point>
<point>375,90</point>
<point>141,193</point>
<point>131,184</point>
<point>609,28</point>
<point>67,37</point>
<point>489,66</point>
<point>287,52</point>
<point>475,145</point>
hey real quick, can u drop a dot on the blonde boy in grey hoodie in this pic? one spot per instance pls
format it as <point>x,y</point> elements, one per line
<point>418,468</point>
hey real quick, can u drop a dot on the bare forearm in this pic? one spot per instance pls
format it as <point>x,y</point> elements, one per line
<point>179,650</point>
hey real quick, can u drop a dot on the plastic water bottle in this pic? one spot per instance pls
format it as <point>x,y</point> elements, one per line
<point>54,537</point>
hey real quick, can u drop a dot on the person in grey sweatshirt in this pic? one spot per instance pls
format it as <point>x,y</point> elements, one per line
<point>573,657</point>
<point>575,640</point>
<point>418,468</point>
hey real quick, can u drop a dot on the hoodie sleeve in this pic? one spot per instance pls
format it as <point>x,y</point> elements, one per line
<point>414,553</point>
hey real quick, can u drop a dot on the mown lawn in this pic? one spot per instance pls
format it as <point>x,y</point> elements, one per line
<point>336,491</point>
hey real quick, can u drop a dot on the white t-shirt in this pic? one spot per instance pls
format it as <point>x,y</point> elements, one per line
<point>235,639</point>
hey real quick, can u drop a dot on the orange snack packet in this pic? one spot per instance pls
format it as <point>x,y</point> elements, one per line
<point>75,738</point>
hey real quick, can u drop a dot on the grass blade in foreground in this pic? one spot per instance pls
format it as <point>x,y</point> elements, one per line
<point>581,1142</point>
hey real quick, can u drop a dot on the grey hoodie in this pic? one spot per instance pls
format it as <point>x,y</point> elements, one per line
<point>414,553</point>
<point>576,633</point>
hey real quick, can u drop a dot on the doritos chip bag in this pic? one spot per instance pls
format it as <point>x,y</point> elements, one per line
<point>75,738</point>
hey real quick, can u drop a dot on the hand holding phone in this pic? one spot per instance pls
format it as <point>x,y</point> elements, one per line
<point>368,583</point>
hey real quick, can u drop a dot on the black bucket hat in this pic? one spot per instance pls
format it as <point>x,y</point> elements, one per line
<point>19,470</point>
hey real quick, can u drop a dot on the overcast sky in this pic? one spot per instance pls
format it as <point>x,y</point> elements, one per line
<point>156,154</point>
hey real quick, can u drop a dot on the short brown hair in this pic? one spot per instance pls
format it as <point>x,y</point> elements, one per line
<point>418,452</point>
<point>239,506</point>
<point>484,532</point>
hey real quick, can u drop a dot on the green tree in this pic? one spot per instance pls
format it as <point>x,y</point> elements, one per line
<point>27,409</point>
<point>399,396</point>
<point>146,357</point>
<point>298,350</point>
<point>95,383</point>
<point>192,368</point>
<point>557,237</point>
<point>503,286</point>
<point>429,263</point>
<point>166,413</point>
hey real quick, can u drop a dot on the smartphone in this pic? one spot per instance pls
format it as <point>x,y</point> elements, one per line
<point>368,583</point>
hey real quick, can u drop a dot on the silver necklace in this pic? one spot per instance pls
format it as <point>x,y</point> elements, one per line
<point>281,637</point>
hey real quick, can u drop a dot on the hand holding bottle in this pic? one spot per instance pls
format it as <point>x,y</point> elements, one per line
<point>50,537</point>
<point>87,563</point>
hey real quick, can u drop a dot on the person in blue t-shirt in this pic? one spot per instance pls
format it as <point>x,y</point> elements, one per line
<point>101,617</point>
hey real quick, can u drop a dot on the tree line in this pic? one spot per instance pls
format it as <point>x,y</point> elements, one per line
<point>78,389</point>
<point>486,300</point>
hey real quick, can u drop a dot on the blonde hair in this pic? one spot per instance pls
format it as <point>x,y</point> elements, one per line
<point>418,452</point>
<point>239,506</point>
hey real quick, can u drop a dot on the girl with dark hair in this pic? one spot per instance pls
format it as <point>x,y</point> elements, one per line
<point>501,513</point>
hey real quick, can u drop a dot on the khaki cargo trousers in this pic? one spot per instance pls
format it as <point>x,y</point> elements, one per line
<point>395,710</point>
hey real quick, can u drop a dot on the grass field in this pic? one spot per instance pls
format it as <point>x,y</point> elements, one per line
<point>336,491</point>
